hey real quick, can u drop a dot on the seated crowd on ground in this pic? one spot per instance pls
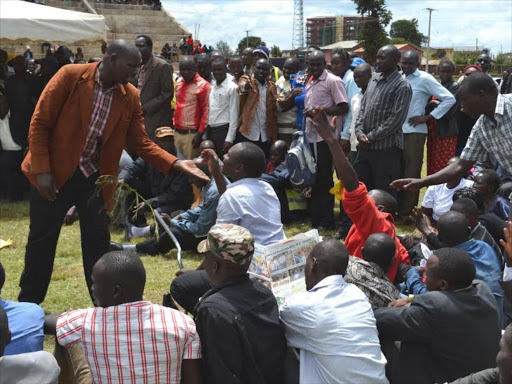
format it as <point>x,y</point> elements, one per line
<point>227,152</point>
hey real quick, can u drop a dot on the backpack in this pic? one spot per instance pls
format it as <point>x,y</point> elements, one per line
<point>300,162</point>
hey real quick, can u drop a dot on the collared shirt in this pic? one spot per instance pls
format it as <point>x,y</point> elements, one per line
<point>327,91</point>
<point>199,220</point>
<point>439,197</point>
<point>372,280</point>
<point>258,129</point>
<point>488,137</point>
<point>224,106</point>
<point>144,73</point>
<point>136,342</point>
<point>252,204</point>
<point>26,323</point>
<point>352,91</point>
<point>334,327</point>
<point>192,104</point>
<point>424,85</point>
<point>102,101</point>
<point>286,120</point>
<point>383,110</point>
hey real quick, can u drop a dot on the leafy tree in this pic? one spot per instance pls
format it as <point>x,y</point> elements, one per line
<point>254,41</point>
<point>408,31</point>
<point>372,32</point>
<point>224,48</point>
<point>275,51</point>
<point>465,58</point>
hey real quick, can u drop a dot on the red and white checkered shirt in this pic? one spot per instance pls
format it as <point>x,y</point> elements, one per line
<point>137,342</point>
<point>102,101</point>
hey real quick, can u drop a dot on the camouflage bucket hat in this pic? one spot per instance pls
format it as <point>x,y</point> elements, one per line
<point>229,242</point>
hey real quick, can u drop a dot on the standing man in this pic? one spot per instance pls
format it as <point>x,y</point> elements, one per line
<point>154,82</point>
<point>326,90</point>
<point>415,129</point>
<point>191,113</point>
<point>204,67</point>
<point>258,109</point>
<point>85,117</point>
<point>379,123</point>
<point>287,110</point>
<point>247,60</point>
<point>236,68</point>
<point>224,106</point>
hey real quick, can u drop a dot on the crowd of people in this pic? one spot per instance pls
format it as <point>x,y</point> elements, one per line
<point>216,149</point>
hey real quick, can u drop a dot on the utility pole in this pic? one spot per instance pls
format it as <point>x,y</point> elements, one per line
<point>430,10</point>
<point>298,24</point>
<point>247,38</point>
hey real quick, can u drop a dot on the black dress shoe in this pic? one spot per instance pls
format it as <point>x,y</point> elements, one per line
<point>115,246</point>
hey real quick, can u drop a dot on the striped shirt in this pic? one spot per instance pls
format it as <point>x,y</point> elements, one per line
<point>134,343</point>
<point>102,101</point>
<point>489,137</point>
<point>383,110</point>
<point>192,104</point>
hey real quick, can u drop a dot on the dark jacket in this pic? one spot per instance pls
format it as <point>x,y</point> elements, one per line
<point>445,334</point>
<point>489,376</point>
<point>242,338</point>
<point>447,125</point>
<point>169,193</point>
<point>155,96</point>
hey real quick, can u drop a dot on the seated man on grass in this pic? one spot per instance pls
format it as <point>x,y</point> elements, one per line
<point>26,324</point>
<point>238,319</point>
<point>371,212</point>
<point>247,202</point>
<point>189,228</point>
<point>449,332</point>
<point>369,273</point>
<point>140,341</point>
<point>487,183</point>
<point>333,324</point>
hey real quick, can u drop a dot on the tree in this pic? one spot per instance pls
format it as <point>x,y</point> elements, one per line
<point>275,51</point>
<point>224,48</point>
<point>408,31</point>
<point>254,41</point>
<point>372,32</point>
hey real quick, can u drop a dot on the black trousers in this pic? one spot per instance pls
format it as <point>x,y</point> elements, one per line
<point>377,169</point>
<point>188,288</point>
<point>218,136</point>
<point>164,244</point>
<point>46,220</point>
<point>322,202</point>
<point>264,145</point>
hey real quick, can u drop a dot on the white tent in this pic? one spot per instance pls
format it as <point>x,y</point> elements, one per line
<point>22,21</point>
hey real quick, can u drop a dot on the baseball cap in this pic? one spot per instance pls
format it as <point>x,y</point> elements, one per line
<point>163,132</point>
<point>357,61</point>
<point>229,242</point>
<point>262,49</point>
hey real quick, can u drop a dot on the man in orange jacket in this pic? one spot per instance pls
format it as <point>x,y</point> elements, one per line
<point>84,118</point>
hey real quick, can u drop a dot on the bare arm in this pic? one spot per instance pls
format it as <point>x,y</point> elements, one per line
<point>214,167</point>
<point>337,110</point>
<point>50,324</point>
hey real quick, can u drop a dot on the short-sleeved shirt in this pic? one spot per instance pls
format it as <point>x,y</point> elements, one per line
<point>137,342</point>
<point>327,91</point>
<point>488,137</point>
<point>26,323</point>
<point>440,198</point>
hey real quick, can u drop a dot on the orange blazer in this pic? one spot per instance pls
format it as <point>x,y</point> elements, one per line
<point>60,124</point>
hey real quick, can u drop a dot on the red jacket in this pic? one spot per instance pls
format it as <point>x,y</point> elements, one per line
<point>368,220</point>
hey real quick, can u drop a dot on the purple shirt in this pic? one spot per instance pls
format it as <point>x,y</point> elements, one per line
<point>326,91</point>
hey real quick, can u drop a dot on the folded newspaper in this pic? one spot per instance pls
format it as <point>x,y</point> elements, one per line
<point>280,266</point>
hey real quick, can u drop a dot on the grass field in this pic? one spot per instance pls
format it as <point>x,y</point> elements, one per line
<point>68,289</point>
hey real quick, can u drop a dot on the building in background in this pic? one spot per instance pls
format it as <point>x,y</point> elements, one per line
<point>328,30</point>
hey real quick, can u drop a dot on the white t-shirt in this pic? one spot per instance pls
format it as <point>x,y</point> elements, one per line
<point>439,197</point>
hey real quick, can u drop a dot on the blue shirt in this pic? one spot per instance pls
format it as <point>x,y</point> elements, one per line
<point>423,87</point>
<point>352,90</point>
<point>488,267</point>
<point>26,322</point>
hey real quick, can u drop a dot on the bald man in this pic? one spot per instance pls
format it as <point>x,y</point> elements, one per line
<point>333,324</point>
<point>84,118</point>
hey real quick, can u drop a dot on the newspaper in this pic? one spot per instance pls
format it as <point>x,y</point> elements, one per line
<point>280,266</point>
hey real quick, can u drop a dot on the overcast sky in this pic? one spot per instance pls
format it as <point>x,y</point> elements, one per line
<point>455,22</point>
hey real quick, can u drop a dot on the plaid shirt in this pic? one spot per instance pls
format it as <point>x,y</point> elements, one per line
<point>134,343</point>
<point>489,137</point>
<point>102,101</point>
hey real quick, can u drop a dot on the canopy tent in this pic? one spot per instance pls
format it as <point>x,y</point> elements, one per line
<point>21,21</point>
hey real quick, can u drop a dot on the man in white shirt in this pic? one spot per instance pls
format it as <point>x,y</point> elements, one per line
<point>415,127</point>
<point>224,104</point>
<point>333,324</point>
